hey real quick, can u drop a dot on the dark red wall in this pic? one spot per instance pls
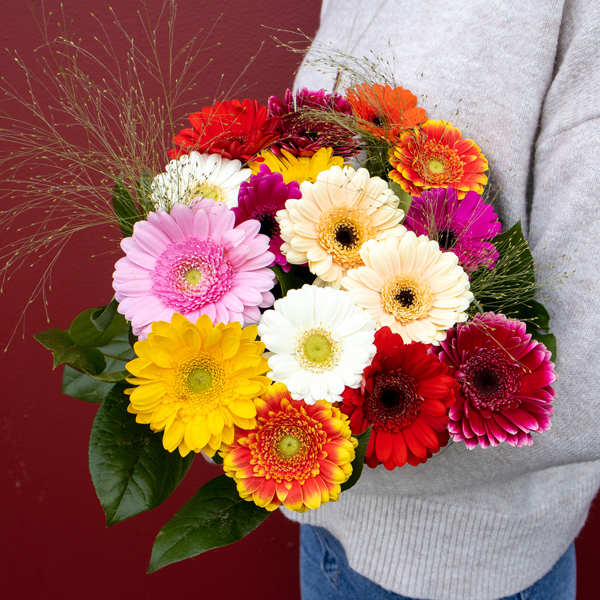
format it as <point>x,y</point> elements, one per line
<point>53,541</point>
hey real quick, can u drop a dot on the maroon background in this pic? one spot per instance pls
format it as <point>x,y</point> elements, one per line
<point>54,542</point>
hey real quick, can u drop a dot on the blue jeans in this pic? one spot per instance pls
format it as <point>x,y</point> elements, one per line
<point>325,574</point>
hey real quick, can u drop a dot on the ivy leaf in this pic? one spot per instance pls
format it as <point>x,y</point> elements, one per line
<point>84,332</point>
<point>215,516</point>
<point>83,387</point>
<point>103,317</point>
<point>125,208</point>
<point>131,470</point>
<point>88,360</point>
<point>359,459</point>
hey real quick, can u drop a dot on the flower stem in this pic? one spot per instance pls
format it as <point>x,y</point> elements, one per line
<point>116,357</point>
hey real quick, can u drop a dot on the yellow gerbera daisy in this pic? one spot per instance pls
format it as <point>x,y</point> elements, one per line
<point>298,168</point>
<point>197,381</point>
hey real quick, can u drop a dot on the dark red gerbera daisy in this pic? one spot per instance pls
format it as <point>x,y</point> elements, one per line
<point>303,131</point>
<point>406,396</point>
<point>232,129</point>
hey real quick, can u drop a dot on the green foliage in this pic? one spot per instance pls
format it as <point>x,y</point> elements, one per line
<point>548,339</point>
<point>294,279</point>
<point>404,197</point>
<point>509,288</point>
<point>215,516</point>
<point>103,317</point>
<point>359,459</point>
<point>131,470</point>
<point>144,192</point>
<point>125,208</point>
<point>84,330</point>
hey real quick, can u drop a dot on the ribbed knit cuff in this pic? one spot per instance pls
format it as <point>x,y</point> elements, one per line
<point>429,550</point>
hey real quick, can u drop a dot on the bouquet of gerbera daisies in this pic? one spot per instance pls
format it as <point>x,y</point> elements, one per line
<point>308,286</point>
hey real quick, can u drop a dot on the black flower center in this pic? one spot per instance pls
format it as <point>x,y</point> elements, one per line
<point>487,381</point>
<point>405,298</point>
<point>377,121</point>
<point>346,236</point>
<point>268,225</point>
<point>446,239</point>
<point>391,397</point>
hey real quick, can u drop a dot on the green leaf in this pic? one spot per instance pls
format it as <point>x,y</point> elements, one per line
<point>83,330</point>
<point>131,470</point>
<point>82,387</point>
<point>404,197</point>
<point>89,360</point>
<point>359,459</point>
<point>144,192</point>
<point>124,207</point>
<point>548,339</point>
<point>215,516</point>
<point>56,340</point>
<point>103,317</point>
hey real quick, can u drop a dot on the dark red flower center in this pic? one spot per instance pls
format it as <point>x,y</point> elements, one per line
<point>489,380</point>
<point>393,403</point>
<point>268,224</point>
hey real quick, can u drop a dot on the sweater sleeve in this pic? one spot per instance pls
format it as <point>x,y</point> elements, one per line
<point>563,219</point>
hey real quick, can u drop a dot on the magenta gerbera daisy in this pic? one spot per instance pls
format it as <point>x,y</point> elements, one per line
<point>193,261</point>
<point>301,133</point>
<point>459,226</point>
<point>505,382</point>
<point>260,198</point>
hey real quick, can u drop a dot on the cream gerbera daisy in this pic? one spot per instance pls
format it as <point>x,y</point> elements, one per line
<point>321,343</point>
<point>197,175</point>
<point>336,215</point>
<point>298,168</point>
<point>411,286</point>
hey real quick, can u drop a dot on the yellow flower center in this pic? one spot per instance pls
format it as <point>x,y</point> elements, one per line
<point>193,276</point>
<point>342,232</point>
<point>437,164</point>
<point>407,296</point>
<point>199,384</point>
<point>206,190</point>
<point>289,446</point>
<point>316,350</point>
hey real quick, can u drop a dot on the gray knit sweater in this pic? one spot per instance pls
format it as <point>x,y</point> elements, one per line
<point>525,79</point>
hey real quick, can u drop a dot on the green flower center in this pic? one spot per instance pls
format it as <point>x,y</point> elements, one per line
<point>317,348</point>
<point>200,380</point>
<point>436,166</point>
<point>193,276</point>
<point>289,446</point>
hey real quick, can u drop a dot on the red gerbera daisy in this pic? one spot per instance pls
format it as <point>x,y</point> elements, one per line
<point>232,129</point>
<point>406,396</point>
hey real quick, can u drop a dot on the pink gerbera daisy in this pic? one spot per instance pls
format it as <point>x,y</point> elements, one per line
<point>459,226</point>
<point>193,261</point>
<point>260,198</point>
<point>505,382</point>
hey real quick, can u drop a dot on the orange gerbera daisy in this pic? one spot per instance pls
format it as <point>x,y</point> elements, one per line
<point>435,155</point>
<point>383,111</point>
<point>298,455</point>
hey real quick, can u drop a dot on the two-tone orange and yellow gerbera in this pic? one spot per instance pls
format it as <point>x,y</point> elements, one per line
<point>435,155</point>
<point>197,382</point>
<point>298,455</point>
<point>384,111</point>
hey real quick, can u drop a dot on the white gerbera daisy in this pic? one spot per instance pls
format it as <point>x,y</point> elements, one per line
<point>197,175</point>
<point>321,342</point>
<point>336,215</point>
<point>411,286</point>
